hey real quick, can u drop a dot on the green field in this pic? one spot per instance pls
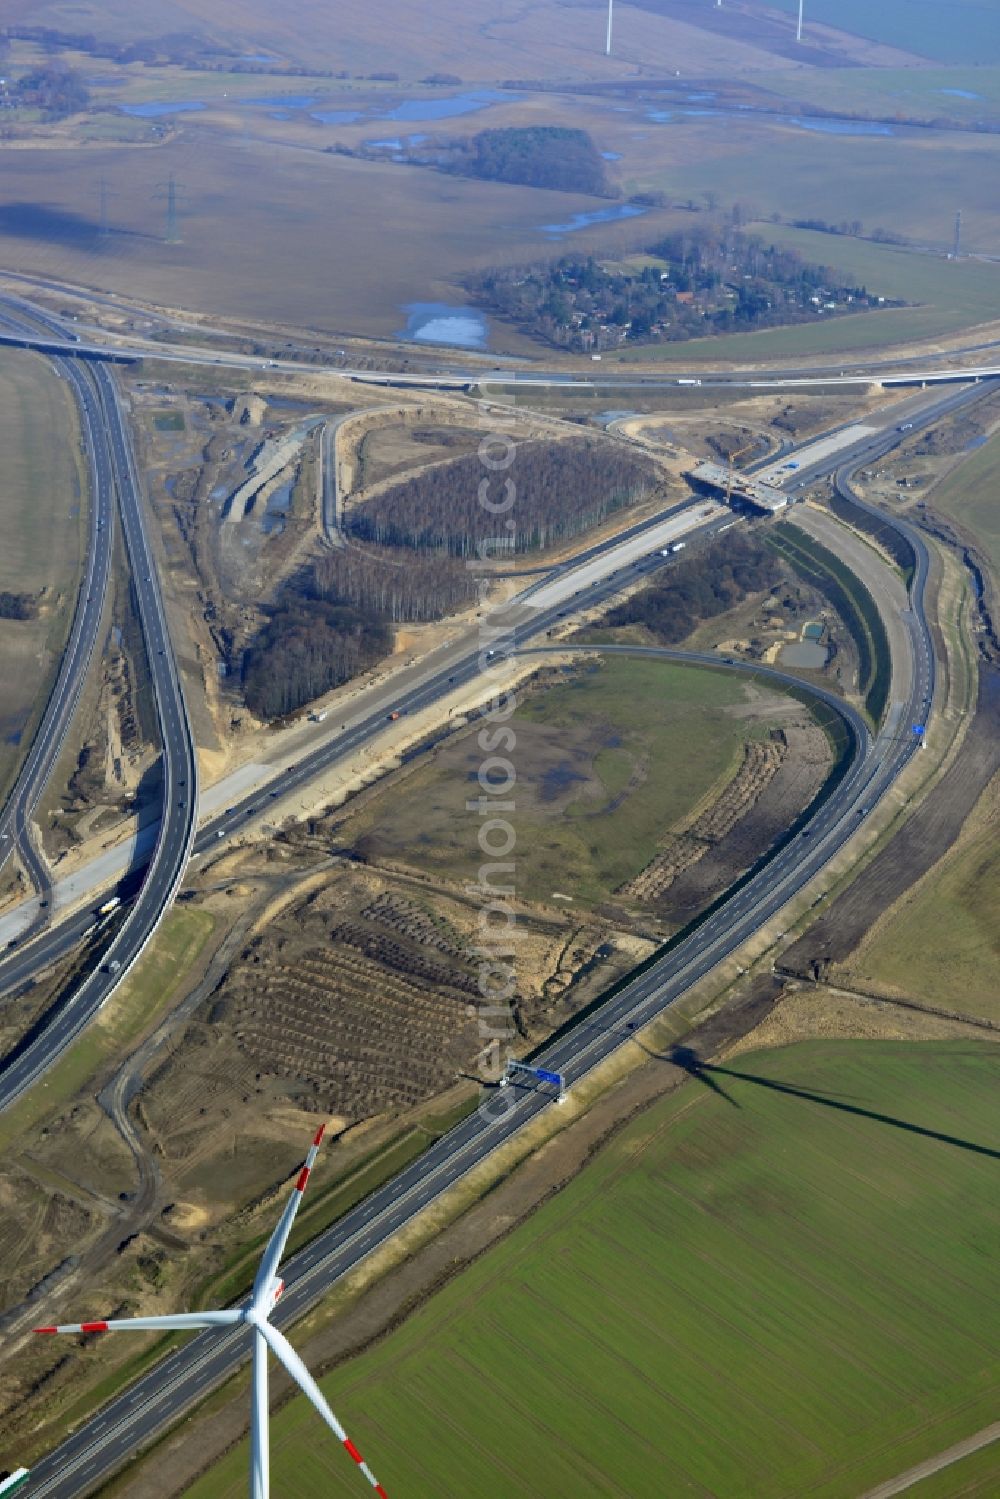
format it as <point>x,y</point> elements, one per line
<point>760,1295</point>
<point>605,763</point>
<point>971,493</point>
<point>942,945</point>
<point>973,1477</point>
<point>969,93</point>
<point>908,183</point>
<point>43,532</point>
<point>961,31</point>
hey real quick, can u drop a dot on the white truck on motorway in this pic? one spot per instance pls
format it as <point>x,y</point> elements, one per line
<point>678,546</point>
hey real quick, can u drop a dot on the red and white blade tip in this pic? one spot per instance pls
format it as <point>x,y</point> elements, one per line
<point>76,1327</point>
<point>352,1451</point>
<point>303,1177</point>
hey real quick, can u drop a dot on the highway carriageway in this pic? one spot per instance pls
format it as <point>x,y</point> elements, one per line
<point>450,668</point>
<point>60,1027</point>
<point>626,557</point>
<point>471,381</point>
<point>159,1397</point>
<point>50,736</point>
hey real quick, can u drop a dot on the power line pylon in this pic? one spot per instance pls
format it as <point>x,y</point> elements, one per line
<point>172,193</point>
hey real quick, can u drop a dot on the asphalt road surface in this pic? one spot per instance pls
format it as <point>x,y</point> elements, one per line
<point>61,344</point>
<point>177,825</point>
<point>158,1398</point>
<point>516,628</point>
<point>15,817</point>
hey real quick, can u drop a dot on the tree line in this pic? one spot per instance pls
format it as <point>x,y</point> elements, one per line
<point>550,492</point>
<point>307,647</point>
<point>699,588</point>
<point>549,156</point>
<point>334,620</point>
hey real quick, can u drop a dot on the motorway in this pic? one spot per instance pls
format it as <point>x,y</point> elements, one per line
<point>155,1401</point>
<point>447,669</point>
<point>114,456</point>
<point>49,737</point>
<point>58,344</point>
<point>421,686</point>
<point>432,679</point>
<point>158,1398</point>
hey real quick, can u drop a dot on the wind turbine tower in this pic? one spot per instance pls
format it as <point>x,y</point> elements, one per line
<point>254,1316</point>
<point>611,5</point>
<point>798,29</point>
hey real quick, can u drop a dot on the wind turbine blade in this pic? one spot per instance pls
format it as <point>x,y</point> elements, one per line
<point>182,1322</point>
<point>286,1355</point>
<point>276,1246</point>
<point>259,1436</point>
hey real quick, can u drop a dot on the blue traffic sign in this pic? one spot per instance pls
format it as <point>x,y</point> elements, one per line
<point>548,1077</point>
<point>919,728</point>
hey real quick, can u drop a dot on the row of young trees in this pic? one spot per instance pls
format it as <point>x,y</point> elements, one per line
<point>548,492</point>
<point>700,588</point>
<point>394,584</point>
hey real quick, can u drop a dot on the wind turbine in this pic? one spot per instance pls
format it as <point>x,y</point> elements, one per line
<point>267,1288</point>
<point>611,4</point>
<point>798,29</point>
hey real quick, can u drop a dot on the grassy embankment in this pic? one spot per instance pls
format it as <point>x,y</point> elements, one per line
<point>774,1289</point>
<point>43,524</point>
<point>941,944</point>
<point>969,493</point>
<point>853,603</point>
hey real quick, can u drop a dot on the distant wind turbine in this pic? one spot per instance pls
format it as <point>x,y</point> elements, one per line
<point>798,29</point>
<point>611,4</point>
<point>267,1288</point>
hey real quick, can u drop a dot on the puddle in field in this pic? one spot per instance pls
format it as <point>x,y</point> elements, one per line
<point>442,323</point>
<point>595,216</point>
<point>154,110</point>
